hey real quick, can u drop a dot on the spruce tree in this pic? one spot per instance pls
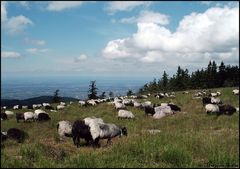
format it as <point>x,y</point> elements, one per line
<point>92,92</point>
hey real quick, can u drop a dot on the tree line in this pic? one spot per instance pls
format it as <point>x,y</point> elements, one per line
<point>211,77</point>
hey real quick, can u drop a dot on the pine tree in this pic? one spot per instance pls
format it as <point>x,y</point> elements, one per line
<point>129,93</point>
<point>92,90</point>
<point>165,81</point>
<point>111,94</point>
<point>56,97</point>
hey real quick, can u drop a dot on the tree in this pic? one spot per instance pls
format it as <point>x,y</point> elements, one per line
<point>56,97</point>
<point>164,81</point>
<point>111,94</point>
<point>129,93</point>
<point>102,96</point>
<point>92,92</point>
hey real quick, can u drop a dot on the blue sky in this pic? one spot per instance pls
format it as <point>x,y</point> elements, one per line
<point>116,38</point>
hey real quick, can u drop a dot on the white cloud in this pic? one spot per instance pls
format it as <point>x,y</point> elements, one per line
<point>36,50</point>
<point>61,5</point>
<point>148,17</point>
<point>199,37</point>
<point>24,3</point>
<point>3,11</point>
<point>35,41</point>
<point>115,6</point>
<point>80,58</point>
<point>10,54</point>
<point>15,24</point>
<point>206,2</point>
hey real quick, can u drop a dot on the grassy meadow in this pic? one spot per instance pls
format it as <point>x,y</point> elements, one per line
<point>190,138</point>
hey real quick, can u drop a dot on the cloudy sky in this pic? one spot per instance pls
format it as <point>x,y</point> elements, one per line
<point>116,38</point>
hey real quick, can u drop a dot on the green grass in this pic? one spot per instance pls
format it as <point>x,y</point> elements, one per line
<point>191,139</point>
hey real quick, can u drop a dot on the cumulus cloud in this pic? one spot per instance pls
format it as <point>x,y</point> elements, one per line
<point>10,54</point>
<point>35,41</point>
<point>80,58</point>
<point>199,36</point>
<point>62,5</point>
<point>116,6</point>
<point>148,17</point>
<point>15,24</point>
<point>36,50</point>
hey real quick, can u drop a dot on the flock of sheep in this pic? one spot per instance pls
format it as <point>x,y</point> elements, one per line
<point>92,129</point>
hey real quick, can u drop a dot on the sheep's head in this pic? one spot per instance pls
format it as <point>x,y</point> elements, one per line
<point>124,131</point>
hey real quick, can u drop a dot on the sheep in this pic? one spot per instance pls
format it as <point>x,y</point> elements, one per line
<point>119,106</point>
<point>149,110</point>
<point>36,106</point>
<point>211,108</point>
<point>236,91</point>
<point>82,103</point>
<point>9,113</point>
<point>29,107</point>
<point>109,131</point>
<point>16,107</point>
<point>127,102</point>
<point>19,116</point>
<point>213,94</point>
<point>92,102</point>
<point>3,116</point>
<point>206,100</point>
<point>3,136</point>
<point>174,107</point>
<point>93,123</point>
<point>62,103</point>
<point>64,129</point>
<point>216,100</point>
<point>218,93</point>
<point>136,104</point>
<point>46,104</point>
<point>24,107</point>
<point>125,114</point>
<point>226,109</point>
<point>165,109</point>
<point>28,116</point>
<point>144,96</point>
<point>37,112</point>
<point>147,103</point>
<point>185,92</point>
<point>16,134</point>
<point>43,117</point>
<point>60,107</point>
<point>81,130</point>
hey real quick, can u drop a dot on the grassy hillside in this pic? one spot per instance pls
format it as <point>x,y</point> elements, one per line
<point>190,138</point>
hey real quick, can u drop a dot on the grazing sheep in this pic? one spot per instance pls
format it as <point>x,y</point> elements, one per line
<point>9,113</point>
<point>16,107</point>
<point>136,104</point>
<point>19,116</point>
<point>109,131</point>
<point>60,107</point>
<point>43,117</point>
<point>236,91</point>
<point>82,103</point>
<point>46,104</point>
<point>3,116</point>
<point>147,103</point>
<point>28,116</point>
<point>92,102</point>
<point>127,102</point>
<point>215,100</point>
<point>16,134</point>
<point>212,108</point>
<point>62,103</point>
<point>125,114</point>
<point>81,130</point>
<point>226,109</point>
<point>165,109</point>
<point>213,94</point>
<point>64,129</point>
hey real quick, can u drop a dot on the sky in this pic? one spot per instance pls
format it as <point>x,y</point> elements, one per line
<point>131,38</point>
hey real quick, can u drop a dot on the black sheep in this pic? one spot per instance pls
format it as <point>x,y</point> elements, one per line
<point>81,130</point>
<point>206,100</point>
<point>16,134</point>
<point>174,107</point>
<point>19,116</point>
<point>30,107</point>
<point>226,109</point>
<point>49,107</point>
<point>3,116</point>
<point>149,110</point>
<point>43,117</point>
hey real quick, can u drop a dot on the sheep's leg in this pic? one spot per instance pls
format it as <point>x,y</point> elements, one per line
<point>74,140</point>
<point>78,141</point>
<point>109,141</point>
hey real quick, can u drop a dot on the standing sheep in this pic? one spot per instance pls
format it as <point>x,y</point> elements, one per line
<point>212,108</point>
<point>64,129</point>
<point>16,134</point>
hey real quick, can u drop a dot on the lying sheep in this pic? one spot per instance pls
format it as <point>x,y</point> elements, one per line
<point>226,109</point>
<point>174,107</point>
<point>16,134</point>
<point>64,129</point>
<point>125,114</point>
<point>137,104</point>
<point>60,107</point>
<point>119,106</point>
<point>212,108</point>
<point>216,100</point>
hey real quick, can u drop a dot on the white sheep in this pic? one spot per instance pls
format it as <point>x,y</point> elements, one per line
<point>218,93</point>
<point>93,123</point>
<point>215,100</point>
<point>119,105</point>
<point>214,94</point>
<point>162,111</point>
<point>125,114</point>
<point>15,107</point>
<point>28,116</point>
<point>147,103</point>
<point>92,102</point>
<point>82,103</point>
<point>37,112</point>
<point>136,104</point>
<point>64,129</point>
<point>9,113</point>
<point>46,104</point>
<point>63,103</point>
<point>24,107</point>
<point>236,91</point>
<point>60,107</point>
<point>212,108</point>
